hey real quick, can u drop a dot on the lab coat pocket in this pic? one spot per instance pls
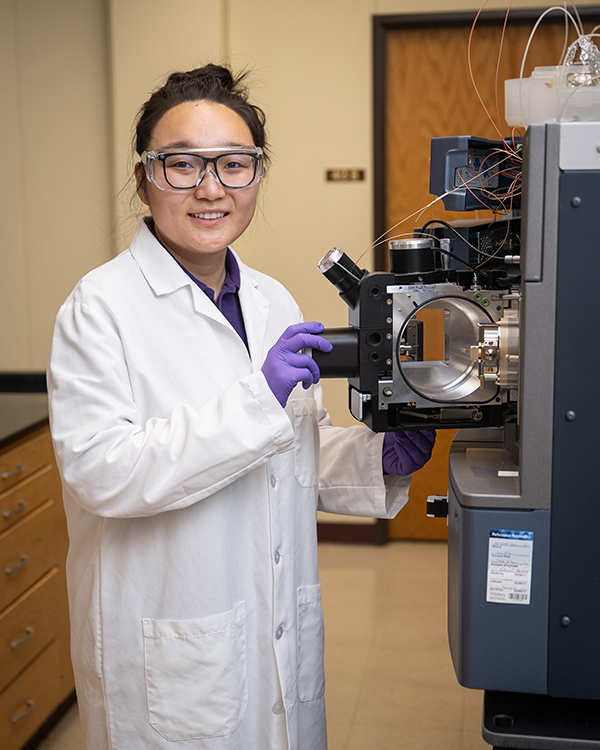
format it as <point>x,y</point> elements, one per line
<point>306,441</point>
<point>196,682</point>
<point>311,642</point>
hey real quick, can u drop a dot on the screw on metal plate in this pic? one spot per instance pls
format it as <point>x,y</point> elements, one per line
<point>576,201</point>
<point>570,416</point>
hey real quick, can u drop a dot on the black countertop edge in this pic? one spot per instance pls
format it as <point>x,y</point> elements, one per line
<point>23,382</point>
<point>20,415</point>
<point>16,436</point>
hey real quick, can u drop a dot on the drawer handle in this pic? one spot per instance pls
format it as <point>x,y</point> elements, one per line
<point>28,710</point>
<point>18,566</point>
<point>29,634</point>
<point>19,509</point>
<point>15,472</point>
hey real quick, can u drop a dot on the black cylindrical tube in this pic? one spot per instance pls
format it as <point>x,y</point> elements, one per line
<point>342,360</point>
<point>412,256</point>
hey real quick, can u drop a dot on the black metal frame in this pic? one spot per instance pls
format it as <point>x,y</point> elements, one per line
<point>384,23</point>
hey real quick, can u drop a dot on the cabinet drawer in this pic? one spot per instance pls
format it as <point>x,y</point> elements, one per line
<point>27,551</point>
<point>28,626</point>
<point>26,704</point>
<point>26,497</point>
<point>24,460</point>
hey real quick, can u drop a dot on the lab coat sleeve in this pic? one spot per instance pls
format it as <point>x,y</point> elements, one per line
<point>114,466</point>
<point>351,474</point>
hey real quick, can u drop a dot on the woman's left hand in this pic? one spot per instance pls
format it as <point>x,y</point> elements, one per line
<point>406,452</point>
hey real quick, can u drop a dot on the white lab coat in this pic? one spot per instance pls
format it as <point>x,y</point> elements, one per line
<point>191,501</point>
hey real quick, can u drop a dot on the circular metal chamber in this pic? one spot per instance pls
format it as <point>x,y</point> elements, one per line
<point>455,376</point>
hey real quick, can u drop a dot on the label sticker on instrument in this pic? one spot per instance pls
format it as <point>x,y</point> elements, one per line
<point>510,561</point>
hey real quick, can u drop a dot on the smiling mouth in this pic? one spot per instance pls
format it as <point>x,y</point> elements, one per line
<point>210,215</point>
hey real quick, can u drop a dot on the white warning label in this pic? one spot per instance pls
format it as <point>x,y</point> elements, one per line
<point>510,560</point>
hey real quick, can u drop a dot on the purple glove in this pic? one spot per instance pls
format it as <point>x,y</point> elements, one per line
<point>284,367</point>
<point>405,452</point>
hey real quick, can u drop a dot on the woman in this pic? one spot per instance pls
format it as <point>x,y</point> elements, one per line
<point>190,461</point>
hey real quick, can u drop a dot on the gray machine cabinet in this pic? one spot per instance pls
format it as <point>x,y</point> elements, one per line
<point>494,646</point>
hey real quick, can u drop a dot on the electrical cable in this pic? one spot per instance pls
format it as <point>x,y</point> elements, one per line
<point>459,235</point>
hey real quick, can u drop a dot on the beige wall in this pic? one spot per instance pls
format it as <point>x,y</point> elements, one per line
<point>75,73</point>
<point>150,38</point>
<point>55,183</point>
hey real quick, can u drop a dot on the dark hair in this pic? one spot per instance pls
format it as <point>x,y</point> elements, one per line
<point>214,83</point>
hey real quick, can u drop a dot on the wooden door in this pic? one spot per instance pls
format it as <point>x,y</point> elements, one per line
<point>429,93</point>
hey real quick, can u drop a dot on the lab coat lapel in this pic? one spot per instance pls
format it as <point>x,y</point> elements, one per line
<point>164,276</point>
<point>233,347</point>
<point>255,309</point>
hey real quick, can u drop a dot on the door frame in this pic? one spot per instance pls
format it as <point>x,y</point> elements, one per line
<point>384,23</point>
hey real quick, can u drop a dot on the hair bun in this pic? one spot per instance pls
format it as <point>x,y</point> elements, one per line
<point>217,72</point>
<point>209,74</point>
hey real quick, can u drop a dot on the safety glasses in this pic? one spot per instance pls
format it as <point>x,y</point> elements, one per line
<point>185,169</point>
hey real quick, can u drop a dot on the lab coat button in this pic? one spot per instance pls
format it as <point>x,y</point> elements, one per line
<point>278,707</point>
<point>277,557</point>
<point>273,480</point>
<point>279,632</point>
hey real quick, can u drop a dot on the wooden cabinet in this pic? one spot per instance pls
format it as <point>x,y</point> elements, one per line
<point>35,667</point>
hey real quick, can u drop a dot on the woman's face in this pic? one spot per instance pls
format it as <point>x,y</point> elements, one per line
<point>197,223</point>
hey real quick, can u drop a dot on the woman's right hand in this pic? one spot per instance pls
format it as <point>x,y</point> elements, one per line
<point>284,367</point>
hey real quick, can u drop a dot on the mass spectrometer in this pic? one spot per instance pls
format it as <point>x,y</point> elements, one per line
<point>493,327</point>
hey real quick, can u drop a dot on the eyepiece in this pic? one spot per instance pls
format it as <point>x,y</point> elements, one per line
<point>343,273</point>
<point>329,259</point>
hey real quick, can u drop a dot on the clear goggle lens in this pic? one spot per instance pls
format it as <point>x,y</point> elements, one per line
<point>184,170</point>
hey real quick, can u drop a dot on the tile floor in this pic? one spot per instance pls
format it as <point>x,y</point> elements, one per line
<point>390,681</point>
